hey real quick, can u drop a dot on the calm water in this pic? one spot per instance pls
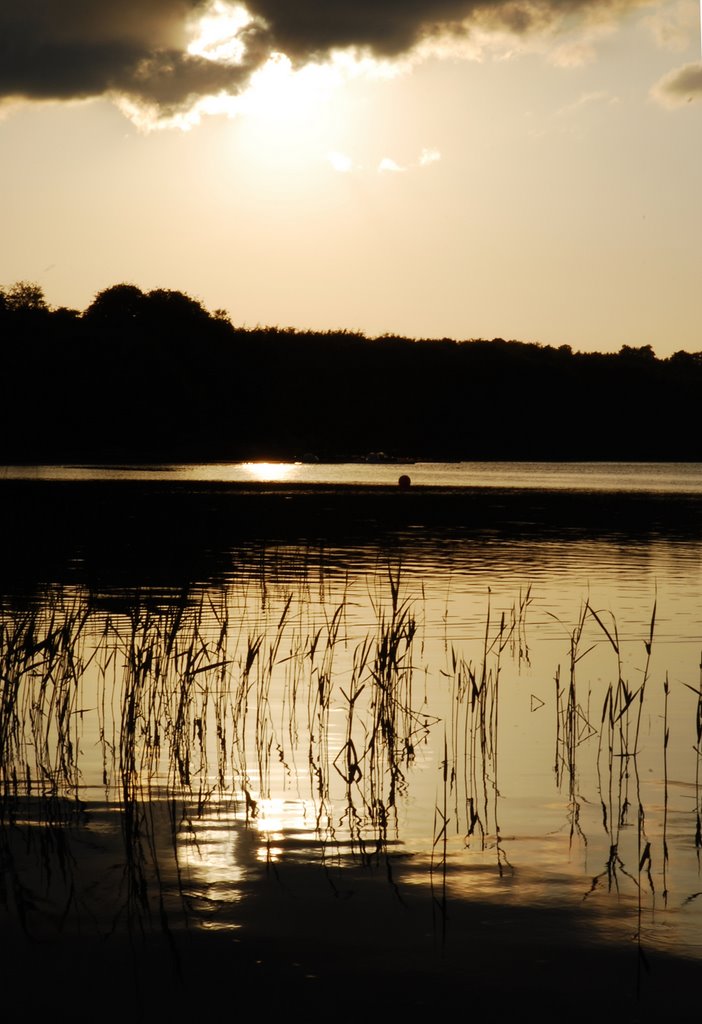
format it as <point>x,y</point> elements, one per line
<point>660,477</point>
<point>425,746</point>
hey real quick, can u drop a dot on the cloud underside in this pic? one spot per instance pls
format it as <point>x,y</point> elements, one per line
<point>138,49</point>
<point>682,85</point>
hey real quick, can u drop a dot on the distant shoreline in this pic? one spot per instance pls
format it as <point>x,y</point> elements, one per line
<point>156,377</point>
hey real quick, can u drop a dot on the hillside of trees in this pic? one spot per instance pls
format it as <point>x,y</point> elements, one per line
<point>155,376</point>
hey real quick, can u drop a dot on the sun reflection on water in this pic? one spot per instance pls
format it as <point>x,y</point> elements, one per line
<point>270,472</point>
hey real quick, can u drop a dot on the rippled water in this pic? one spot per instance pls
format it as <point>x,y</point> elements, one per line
<point>421,744</point>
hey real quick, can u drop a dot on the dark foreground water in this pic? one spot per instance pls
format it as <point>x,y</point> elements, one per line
<point>338,749</point>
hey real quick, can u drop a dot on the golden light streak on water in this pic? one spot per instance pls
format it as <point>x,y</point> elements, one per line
<point>270,472</point>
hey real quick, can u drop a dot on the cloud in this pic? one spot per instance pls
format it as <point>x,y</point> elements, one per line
<point>682,85</point>
<point>170,54</point>
<point>386,165</point>
<point>75,49</point>
<point>140,49</point>
<point>389,165</point>
<point>675,25</point>
<point>585,99</point>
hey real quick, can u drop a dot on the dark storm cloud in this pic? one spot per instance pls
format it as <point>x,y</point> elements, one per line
<point>71,49</point>
<point>391,27</point>
<point>64,49</point>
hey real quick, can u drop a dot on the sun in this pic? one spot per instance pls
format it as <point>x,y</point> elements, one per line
<point>293,104</point>
<point>276,91</point>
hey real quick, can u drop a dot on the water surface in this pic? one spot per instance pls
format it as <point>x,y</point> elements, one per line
<point>660,477</point>
<point>404,751</point>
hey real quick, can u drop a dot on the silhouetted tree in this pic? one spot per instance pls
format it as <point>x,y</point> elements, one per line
<point>686,360</point>
<point>65,316</point>
<point>644,352</point>
<point>169,310</point>
<point>170,380</point>
<point>25,296</point>
<point>117,306</point>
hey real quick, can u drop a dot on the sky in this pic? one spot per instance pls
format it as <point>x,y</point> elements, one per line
<point>525,169</point>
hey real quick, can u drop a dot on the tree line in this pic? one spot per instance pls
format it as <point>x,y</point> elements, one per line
<point>156,376</point>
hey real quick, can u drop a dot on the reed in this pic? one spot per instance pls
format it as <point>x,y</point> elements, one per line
<point>227,697</point>
<point>472,755</point>
<point>698,764</point>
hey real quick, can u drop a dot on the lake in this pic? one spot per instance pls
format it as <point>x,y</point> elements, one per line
<point>292,732</point>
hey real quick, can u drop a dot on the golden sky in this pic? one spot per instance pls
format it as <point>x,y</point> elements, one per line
<point>527,169</point>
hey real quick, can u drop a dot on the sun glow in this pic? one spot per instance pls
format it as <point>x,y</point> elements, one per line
<point>340,162</point>
<point>278,92</point>
<point>295,119</point>
<point>286,102</point>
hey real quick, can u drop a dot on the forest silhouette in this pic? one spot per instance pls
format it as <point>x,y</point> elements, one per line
<point>155,376</point>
